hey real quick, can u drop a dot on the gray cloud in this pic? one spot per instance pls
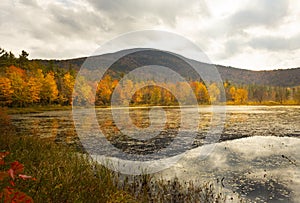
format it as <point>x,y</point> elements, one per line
<point>266,13</point>
<point>60,22</point>
<point>165,11</point>
<point>66,28</point>
<point>233,29</point>
<point>272,43</point>
<point>51,25</point>
<point>233,46</point>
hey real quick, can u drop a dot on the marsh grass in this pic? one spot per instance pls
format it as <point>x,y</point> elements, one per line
<point>148,189</point>
<point>37,109</point>
<point>64,175</point>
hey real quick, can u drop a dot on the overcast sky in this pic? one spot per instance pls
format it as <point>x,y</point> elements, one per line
<point>249,34</point>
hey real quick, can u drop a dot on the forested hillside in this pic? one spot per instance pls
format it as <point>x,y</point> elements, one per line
<point>281,77</point>
<point>25,82</point>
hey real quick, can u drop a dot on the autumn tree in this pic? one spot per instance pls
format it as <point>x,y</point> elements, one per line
<point>67,86</point>
<point>183,93</point>
<point>281,94</point>
<point>34,84</point>
<point>17,77</point>
<point>155,98</point>
<point>83,92</point>
<point>137,98</point>
<point>214,93</point>
<point>167,97</point>
<point>105,89</point>
<point>227,85</point>
<point>200,92</point>
<point>49,90</point>
<point>127,89</point>
<point>170,98</point>
<point>6,91</point>
<point>232,92</point>
<point>241,96</point>
<point>259,93</point>
<point>297,95</point>
<point>33,89</point>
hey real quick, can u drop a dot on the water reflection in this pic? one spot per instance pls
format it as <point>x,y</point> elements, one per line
<point>140,118</point>
<point>56,126</point>
<point>259,168</point>
<point>241,122</point>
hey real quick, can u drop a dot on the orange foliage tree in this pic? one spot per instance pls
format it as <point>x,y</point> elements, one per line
<point>68,83</point>
<point>49,91</point>
<point>6,91</point>
<point>17,77</point>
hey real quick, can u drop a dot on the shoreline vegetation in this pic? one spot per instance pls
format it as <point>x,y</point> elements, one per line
<point>41,109</point>
<point>61,174</point>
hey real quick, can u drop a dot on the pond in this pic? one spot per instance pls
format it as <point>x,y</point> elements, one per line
<point>256,156</point>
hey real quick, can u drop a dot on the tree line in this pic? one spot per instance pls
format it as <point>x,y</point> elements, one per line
<point>24,82</point>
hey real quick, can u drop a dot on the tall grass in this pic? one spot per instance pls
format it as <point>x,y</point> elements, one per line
<point>62,175</point>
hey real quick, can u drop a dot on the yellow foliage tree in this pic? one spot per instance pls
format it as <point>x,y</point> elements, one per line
<point>214,92</point>
<point>104,91</point>
<point>83,92</point>
<point>200,92</point>
<point>241,96</point>
<point>17,78</point>
<point>6,91</point>
<point>232,91</point>
<point>33,90</point>
<point>49,91</point>
<point>67,87</point>
<point>155,95</point>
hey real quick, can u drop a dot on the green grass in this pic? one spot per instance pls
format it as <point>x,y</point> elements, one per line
<point>36,109</point>
<point>264,103</point>
<point>62,174</point>
<point>40,109</point>
<point>65,175</point>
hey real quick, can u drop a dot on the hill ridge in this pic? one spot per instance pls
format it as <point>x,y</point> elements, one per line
<point>278,77</point>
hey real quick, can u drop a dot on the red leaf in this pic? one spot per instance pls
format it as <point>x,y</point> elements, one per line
<point>17,167</point>
<point>12,195</point>
<point>12,183</point>
<point>9,190</point>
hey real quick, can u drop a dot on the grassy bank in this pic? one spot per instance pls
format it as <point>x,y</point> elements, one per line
<point>40,109</point>
<point>36,109</point>
<point>265,103</point>
<point>64,175</point>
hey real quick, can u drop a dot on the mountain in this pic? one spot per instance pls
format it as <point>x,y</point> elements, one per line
<point>281,77</point>
<point>134,58</point>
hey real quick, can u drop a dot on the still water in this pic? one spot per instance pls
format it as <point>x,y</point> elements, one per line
<point>257,155</point>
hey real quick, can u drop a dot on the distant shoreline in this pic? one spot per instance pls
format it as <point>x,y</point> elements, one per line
<point>41,109</point>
